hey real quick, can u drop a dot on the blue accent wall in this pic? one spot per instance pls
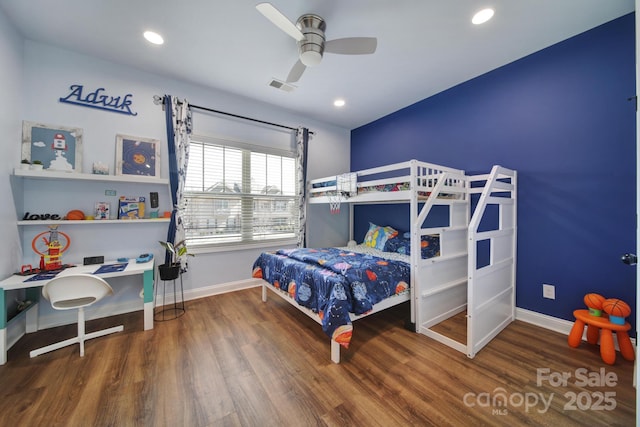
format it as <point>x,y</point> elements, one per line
<point>561,117</point>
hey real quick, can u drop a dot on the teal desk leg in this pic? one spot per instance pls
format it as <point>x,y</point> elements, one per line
<point>3,327</point>
<point>147,278</point>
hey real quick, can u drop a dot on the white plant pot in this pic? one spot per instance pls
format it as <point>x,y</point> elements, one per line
<point>25,166</point>
<point>36,167</point>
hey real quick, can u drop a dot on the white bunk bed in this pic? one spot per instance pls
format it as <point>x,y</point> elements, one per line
<point>452,282</point>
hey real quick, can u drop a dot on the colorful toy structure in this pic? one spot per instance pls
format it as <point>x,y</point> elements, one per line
<point>51,254</point>
<point>601,326</point>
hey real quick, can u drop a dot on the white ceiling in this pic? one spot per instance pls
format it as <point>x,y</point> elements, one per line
<point>424,46</point>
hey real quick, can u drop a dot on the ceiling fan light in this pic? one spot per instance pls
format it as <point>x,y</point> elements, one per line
<point>310,58</point>
<point>153,37</point>
<point>482,16</point>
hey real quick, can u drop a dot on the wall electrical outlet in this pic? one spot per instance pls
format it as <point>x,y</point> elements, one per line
<point>548,291</point>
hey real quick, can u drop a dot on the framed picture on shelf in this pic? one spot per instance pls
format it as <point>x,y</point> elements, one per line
<point>57,147</point>
<point>102,210</point>
<point>137,156</point>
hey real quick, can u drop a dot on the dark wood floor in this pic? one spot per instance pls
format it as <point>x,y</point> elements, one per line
<point>233,360</point>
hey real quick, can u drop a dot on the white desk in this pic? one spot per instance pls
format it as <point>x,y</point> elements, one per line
<point>33,288</point>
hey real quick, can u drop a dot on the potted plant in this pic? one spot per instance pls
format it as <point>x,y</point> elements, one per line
<point>36,165</point>
<point>172,270</point>
<point>25,164</point>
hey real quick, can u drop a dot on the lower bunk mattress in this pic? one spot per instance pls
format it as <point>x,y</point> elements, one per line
<point>335,282</point>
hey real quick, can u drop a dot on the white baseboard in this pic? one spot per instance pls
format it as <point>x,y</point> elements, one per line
<point>554,324</point>
<point>212,290</point>
<point>16,328</point>
<point>544,321</point>
<point>106,310</point>
<point>66,317</point>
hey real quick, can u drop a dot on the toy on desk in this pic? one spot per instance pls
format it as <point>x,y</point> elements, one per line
<point>51,249</point>
<point>144,258</point>
<point>594,303</point>
<point>617,310</point>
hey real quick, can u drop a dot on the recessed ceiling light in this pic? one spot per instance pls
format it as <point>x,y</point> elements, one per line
<point>483,16</point>
<point>153,37</point>
<point>339,103</point>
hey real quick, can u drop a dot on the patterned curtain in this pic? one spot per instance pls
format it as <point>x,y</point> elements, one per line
<point>302,141</point>
<point>178,117</point>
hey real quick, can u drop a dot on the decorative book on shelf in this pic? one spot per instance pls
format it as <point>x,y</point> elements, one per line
<point>131,207</point>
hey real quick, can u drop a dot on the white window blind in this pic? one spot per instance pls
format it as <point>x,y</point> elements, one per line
<point>238,194</point>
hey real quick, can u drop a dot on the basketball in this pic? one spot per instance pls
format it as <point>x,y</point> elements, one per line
<point>594,301</point>
<point>75,215</point>
<point>616,307</point>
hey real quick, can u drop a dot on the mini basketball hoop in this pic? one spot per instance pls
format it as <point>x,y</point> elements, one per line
<point>346,186</point>
<point>334,203</point>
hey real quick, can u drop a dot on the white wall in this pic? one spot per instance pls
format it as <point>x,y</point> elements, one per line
<point>11,70</point>
<point>48,74</point>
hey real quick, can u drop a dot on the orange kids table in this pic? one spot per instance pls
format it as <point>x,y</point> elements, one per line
<point>602,327</point>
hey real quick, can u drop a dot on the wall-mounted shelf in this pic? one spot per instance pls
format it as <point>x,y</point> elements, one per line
<point>95,222</point>
<point>75,176</point>
<point>63,189</point>
<point>48,192</point>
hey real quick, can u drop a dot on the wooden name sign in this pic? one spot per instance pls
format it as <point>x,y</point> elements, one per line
<point>100,100</point>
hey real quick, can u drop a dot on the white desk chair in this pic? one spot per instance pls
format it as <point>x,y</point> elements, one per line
<point>76,292</point>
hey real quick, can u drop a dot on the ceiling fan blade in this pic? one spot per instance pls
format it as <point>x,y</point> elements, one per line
<point>279,20</point>
<point>352,45</point>
<point>296,72</point>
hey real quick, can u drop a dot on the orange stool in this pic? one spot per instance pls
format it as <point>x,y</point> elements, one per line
<point>601,326</point>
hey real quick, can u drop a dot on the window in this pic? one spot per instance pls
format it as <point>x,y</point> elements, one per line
<point>238,194</point>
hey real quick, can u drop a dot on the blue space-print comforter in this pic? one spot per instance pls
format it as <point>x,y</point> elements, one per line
<point>333,282</point>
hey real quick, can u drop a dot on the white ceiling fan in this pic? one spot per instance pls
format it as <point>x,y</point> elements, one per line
<point>309,33</point>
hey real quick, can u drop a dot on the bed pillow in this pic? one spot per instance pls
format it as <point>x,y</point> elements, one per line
<point>430,245</point>
<point>377,236</point>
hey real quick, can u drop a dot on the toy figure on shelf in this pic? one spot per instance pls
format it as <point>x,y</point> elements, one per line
<point>51,252</point>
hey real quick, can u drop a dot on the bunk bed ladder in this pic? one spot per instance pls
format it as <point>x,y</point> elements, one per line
<point>491,287</point>
<point>441,281</point>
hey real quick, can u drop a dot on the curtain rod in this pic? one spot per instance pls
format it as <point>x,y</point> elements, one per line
<point>159,100</point>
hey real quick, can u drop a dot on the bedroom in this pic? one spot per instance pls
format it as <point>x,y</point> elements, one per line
<point>45,72</point>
